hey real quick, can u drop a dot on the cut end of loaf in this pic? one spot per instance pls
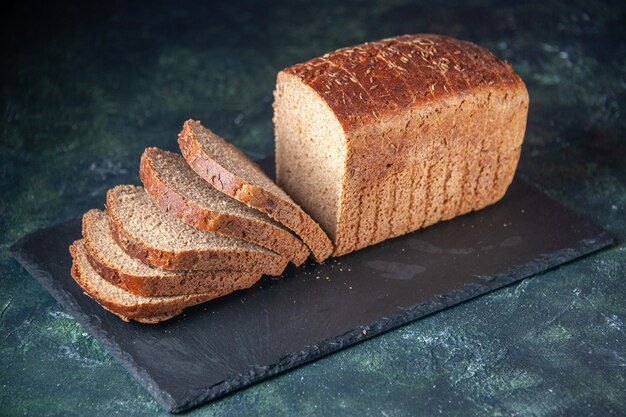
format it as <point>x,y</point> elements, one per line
<point>310,150</point>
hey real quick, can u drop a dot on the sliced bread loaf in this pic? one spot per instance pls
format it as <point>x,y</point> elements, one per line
<point>146,233</point>
<point>380,139</point>
<point>109,260</point>
<point>123,303</point>
<point>179,191</point>
<point>230,171</point>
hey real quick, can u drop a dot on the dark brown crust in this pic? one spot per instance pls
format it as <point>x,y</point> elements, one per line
<point>361,84</point>
<point>170,201</point>
<point>285,212</point>
<point>184,283</point>
<point>145,313</point>
<point>147,319</point>
<point>251,261</point>
<point>151,319</point>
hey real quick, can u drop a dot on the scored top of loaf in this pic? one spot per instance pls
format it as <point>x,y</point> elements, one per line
<point>365,82</point>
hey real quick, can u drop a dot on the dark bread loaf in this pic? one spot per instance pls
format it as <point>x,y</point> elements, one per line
<point>373,141</point>
<point>230,171</point>
<point>179,191</point>
<point>116,266</point>
<point>383,138</point>
<point>146,233</point>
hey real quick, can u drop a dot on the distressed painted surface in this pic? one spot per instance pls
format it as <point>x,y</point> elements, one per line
<point>84,90</point>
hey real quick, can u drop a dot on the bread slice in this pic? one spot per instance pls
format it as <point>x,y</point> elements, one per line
<point>146,233</point>
<point>123,303</point>
<point>109,260</point>
<point>230,171</point>
<point>179,191</point>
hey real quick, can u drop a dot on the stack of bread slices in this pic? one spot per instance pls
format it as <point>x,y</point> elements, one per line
<point>205,223</point>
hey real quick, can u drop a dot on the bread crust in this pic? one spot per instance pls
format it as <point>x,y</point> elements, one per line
<point>425,60</point>
<point>171,201</point>
<point>285,212</point>
<point>252,261</point>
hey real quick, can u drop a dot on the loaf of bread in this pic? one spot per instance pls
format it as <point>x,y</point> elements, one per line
<point>384,138</point>
<point>372,142</point>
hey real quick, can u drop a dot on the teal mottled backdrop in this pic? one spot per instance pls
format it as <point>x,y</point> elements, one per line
<point>86,87</point>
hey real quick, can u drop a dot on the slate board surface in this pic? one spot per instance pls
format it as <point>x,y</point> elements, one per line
<point>229,343</point>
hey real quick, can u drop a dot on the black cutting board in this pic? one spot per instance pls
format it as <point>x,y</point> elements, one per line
<point>229,343</point>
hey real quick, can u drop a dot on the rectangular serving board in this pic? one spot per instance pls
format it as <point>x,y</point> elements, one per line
<point>230,343</point>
